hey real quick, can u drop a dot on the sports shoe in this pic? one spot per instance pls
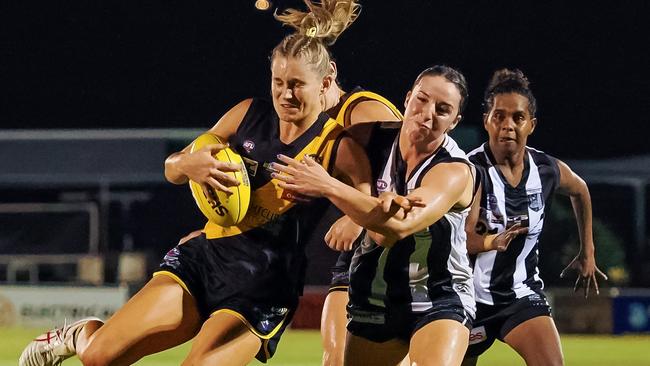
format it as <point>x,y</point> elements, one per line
<point>54,346</point>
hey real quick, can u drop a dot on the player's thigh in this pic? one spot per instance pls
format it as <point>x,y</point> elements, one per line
<point>333,328</point>
<point>159,316</point>
<point>537,341</point>
<point>334,319</point>
<point>224,340</point>
<point>441,342</point>
<point>362,352</point>
<point>469,361</point>
<point>406,361</point>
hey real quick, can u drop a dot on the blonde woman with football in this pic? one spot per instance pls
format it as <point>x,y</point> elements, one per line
<point>232,289</point>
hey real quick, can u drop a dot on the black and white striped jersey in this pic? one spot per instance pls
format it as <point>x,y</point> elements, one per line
<point>502,277</point>
<point>424,269</point>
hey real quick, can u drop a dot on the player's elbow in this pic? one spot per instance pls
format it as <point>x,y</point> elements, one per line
<point>172,174</point>
<point>392,232</point>
<point>579,190</point>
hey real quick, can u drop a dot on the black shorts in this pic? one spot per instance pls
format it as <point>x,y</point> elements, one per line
<point>224,275</point>
<point>341,271</point>
<point>380,326</point>
<point>496,321</point>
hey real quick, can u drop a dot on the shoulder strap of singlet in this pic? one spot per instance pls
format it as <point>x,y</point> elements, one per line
<point>343,117</point>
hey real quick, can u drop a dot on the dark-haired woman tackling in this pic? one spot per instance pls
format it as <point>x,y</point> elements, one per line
<point>410,279</point>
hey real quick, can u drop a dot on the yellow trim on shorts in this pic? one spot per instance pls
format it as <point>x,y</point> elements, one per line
<point>248,324</point>
<point>265,347</point>
<point>175,278</point>
<point>338,288</point>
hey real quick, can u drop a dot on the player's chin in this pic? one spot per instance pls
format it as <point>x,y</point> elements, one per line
<point>290,114</point>
<point>508,145</point>
<point>420,135</point>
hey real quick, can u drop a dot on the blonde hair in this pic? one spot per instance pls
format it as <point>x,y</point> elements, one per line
<point>315,30</point>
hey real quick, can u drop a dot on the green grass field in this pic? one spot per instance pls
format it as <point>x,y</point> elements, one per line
<point>302,348</point>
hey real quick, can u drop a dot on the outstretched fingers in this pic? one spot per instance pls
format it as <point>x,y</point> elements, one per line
<point>604,276</point>
<point>596,285</point>
<point>287,160</point>
<point>286,169</point>
<point>568,267</point>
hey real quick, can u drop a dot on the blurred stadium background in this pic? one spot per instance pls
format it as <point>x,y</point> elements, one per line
<point>95,96</point>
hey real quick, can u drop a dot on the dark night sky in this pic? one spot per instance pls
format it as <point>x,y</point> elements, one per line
<point>99,64</point>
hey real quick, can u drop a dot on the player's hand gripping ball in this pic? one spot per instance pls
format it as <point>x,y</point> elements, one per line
<point>224,210</point>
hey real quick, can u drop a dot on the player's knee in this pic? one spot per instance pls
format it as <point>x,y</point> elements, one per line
<point>187,362</point>
<point>198,360</point>
<point>469,361</point>
<point>550,359</point>
<point>95,355</point>
<point>557,360</point>
<point>191,360</point>
<point>332,358</point>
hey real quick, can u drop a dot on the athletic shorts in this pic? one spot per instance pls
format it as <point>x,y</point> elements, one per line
<point>341,272</point>
<point>378,325</point>
<point>223,276</point>
<point>496,321</point>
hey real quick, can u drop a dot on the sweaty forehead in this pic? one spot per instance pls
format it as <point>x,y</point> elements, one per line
<point>290,68</point>
<point>511,102</point>
<point>440,88</point>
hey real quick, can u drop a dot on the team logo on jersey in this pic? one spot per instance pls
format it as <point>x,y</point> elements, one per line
<point>171,258</point>
<point>251,166</point>
<point>248,145</point>
<point>477,335</point>
<point>535,200</point>
<point>381,185</point>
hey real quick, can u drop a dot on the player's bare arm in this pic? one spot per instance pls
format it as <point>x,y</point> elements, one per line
<point>355,172</point>
<point>444,187</point>
<point>371,111</point>
<point>478,240</point>
<point>585,261</point>
<point>200,166</point>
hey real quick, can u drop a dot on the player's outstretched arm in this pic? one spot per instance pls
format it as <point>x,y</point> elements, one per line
<point>585,261</point>
<point>443,187</point>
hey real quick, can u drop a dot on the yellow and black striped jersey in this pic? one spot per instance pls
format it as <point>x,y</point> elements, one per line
<point>257,141</point>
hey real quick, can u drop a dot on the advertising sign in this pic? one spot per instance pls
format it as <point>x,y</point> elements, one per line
<point>45,306</point>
